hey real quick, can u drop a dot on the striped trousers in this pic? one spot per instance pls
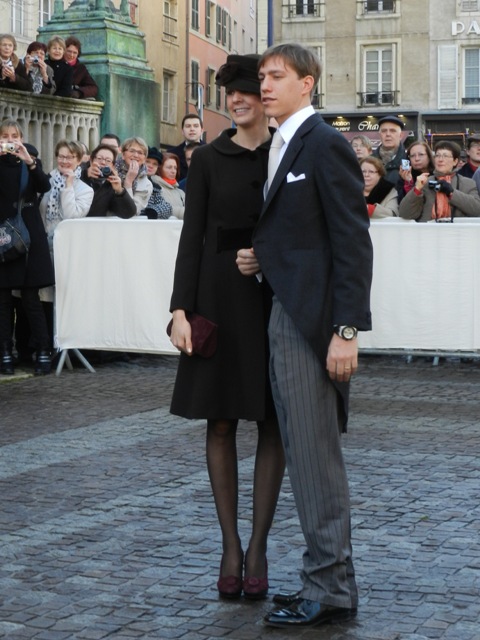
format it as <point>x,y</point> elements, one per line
<point>307,406</point>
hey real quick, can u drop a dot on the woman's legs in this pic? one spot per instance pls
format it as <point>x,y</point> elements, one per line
<point>223,472</point>
<point>269,470</point>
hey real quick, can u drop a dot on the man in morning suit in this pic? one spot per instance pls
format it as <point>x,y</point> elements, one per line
<point>313,246</point>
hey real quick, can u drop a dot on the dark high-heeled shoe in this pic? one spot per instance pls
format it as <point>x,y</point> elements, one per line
<point>6,360</point>
<point>256,588</point>
<point>229,586</point>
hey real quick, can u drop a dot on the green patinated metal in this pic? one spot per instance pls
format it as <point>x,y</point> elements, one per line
<point>114,51</point>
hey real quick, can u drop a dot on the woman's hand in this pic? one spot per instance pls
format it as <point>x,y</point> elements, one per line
<point>8,72</point>
<point>421,181</point>
<point>115,181</point>
<point>405,174</point>
<point>42,65</point>
<point>181,336</point>
<point>70,177</point>
<point>132,173</point>
<point>22,153</point>
<point>93,172</point>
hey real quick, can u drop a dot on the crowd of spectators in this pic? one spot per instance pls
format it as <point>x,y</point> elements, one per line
<point>130,178</point>
<point>52,68</point>
<point>417,183</point>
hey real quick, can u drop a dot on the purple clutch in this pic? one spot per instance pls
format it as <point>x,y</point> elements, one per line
<point>204,334</point>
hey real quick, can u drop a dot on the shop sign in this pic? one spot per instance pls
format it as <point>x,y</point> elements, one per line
<point>460,28</point>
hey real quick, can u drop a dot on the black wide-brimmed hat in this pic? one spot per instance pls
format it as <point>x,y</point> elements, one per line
<point>154,153</point>
<point>240,72</point>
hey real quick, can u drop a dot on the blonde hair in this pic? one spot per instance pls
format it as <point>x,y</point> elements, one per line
<point>8,36</point>
<point>56,40</point>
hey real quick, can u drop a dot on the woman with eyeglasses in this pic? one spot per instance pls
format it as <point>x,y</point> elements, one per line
<point>379,194</point>
<point>420,157</point>
<point>132,169</point>
<point>442,195</point>
<point>110,198</point>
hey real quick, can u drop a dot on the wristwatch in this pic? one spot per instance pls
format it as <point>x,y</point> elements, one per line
<point>345,332</point>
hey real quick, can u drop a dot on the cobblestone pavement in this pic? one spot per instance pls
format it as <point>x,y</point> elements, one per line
<point>108,527</point>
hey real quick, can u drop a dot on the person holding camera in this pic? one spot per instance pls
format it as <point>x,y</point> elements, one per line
<point>13,73</point>
<point>443,195</point>
<point>38,70</point>
<point>110,198</point>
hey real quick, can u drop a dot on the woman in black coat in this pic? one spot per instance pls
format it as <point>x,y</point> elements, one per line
<point>31,273</point>
<point>224,200</point>
<point>110,198</point>
<point>62,71</point>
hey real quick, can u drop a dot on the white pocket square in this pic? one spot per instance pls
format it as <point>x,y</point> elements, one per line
<point>292,178</point>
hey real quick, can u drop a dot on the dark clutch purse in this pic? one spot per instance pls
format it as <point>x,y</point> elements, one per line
<point>204,334</point>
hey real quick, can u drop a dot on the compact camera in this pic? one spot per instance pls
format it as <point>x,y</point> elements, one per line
<point>406,165</point>
<point>35,60</point>
<point>8,63</point>
<point>7,147</point>
<point>434,184</point>
<point>106,171</point>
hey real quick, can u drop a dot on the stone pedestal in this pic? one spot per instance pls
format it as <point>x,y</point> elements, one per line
<point>114,51</point>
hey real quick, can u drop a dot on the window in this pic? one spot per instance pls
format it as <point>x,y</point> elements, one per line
<point>218,23</point>
<point>218,97</point>
<point>470,5</point>
<point>208,17</point>
<point>472,76</point>
<point>379,5</point>
<point>447,74</point>
<point>44,11</point>
<point>379,77</point>
<point>170,24</point>
<point>17,23</point>
<point>195,16</point>
<point>195,76</point>
<point>317,95</point>
<point>303,9</point>
<point>210,84</point>
<point>169,98</point>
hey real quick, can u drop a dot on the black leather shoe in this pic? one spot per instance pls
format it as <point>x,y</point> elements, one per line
<point>308,613</point>
<point>286,598</point>
<point>43,363</point>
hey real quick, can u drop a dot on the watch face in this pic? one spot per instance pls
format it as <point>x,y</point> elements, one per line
<point>348,333</point>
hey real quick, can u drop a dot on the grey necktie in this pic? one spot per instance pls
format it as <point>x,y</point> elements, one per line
<point>274,156</point>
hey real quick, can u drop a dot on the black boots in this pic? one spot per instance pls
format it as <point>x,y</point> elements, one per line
<point>6,359</point>
<point>43,362</point>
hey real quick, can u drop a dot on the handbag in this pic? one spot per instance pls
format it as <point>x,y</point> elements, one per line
<point>204,334</point>
<point>14,236</point>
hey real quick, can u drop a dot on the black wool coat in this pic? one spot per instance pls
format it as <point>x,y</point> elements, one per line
<point>223,203</point>
<point>63,76</point>
<point>37,270</point>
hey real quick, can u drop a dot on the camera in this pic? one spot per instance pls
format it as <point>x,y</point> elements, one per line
<point>406,165</point>
<point>106,171</point>
<point>8,63</point>
<point>7,147</point>
<point>35,60</point>
<point>434,184</point>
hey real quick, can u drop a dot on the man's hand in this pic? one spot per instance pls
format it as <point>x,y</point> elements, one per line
<point>247,262</point>
<point>342,358</point>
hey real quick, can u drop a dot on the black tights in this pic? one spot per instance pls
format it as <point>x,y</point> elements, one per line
<point>223,472</point>
<point>34,312</point>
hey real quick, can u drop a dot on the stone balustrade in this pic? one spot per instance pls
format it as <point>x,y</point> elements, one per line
<point>47,119</point>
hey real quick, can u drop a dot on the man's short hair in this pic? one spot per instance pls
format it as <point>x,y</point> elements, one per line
<point>191,116</point>
<point>112,136</point>
<point>302,60</point>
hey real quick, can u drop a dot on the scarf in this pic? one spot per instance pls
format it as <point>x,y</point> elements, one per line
<point>441,206</point>
<point>122,170</point>
<point>173,182</point>
<point>379,192</point>
<point>54,213</point>
<point>37,80</point>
